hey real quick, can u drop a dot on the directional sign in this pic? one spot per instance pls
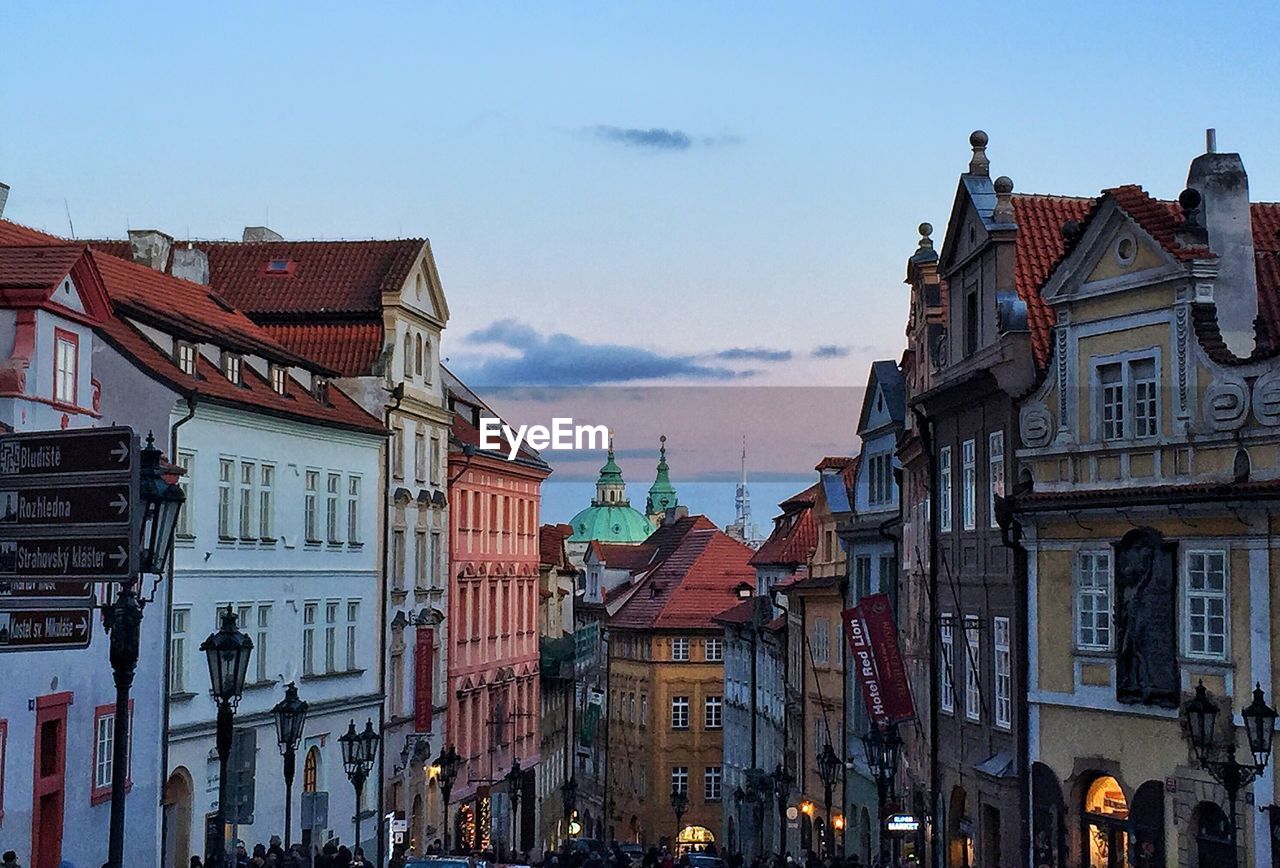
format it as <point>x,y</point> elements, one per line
<point>44,592</point>
<point>102,557</point>
<point>48,453</point>
<point>31,629</point>
<point>66,505</point>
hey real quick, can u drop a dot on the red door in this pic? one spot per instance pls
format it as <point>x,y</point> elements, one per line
<point>50,780</point>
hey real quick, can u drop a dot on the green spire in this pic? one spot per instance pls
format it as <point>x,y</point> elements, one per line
<point>662,494</point>
<point>611,488</point>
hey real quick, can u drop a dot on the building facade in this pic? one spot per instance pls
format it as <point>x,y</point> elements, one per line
<point>556,805</point>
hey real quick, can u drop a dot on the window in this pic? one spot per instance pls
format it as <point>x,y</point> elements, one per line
<point>820,639</point>
<point>353,510</point>
<point>1128,404</point>
<point>246,500</point>
<point>187,461</point>
<point>353,633</point>
<point>1205,604</point>
<point>397,559</point>
<point>968,481</point>
<point>679,649</point>
<point>713,712</point>
<point>408,355</point>
<point>309,638</point>
<point>880,478</point>
<point>104,725</point>
<point>420,559</point>
<point>972,668</point>
<point>947,688</point>
<point>995,472</point>
<point>331,636</point>
<point>1004,682</point>
<point>226,467</point>
<point>279,379</point>
<point>944,489</point>
<point>437,571</point>
<point>680,779</point>
<point>715,650</point>
<point>862,576</point>
<point>419,456</point>
<point>397,452</point>
<point>180,623</point>
<point>1093,601</point>
<point>971,323</point>
<point>66,366</point>
<point>644,709</point>
<point>435,461</point>
<point>311,771</point>
<point>310,518</point>
<point>262,642</point>
<point>711,784</point>
<point>231,364</point>
<point>332,525</point>
<point>186,358</point>
<point>679,712</point>
<point>266,501</point>
<point>417,355</point>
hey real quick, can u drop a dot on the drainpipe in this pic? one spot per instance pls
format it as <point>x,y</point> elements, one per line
<point>397,396</point>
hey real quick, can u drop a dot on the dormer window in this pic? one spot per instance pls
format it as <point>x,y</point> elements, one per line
<point>185,356</point>
<point>66,366</point>
<point>320,389</point>
<point>279,378</point>
<point>231,365</point>
<point>280,267</point>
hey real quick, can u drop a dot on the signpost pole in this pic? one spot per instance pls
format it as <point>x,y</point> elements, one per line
<point>125,624</point>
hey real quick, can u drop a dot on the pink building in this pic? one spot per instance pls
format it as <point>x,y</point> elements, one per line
<point>493,608</point>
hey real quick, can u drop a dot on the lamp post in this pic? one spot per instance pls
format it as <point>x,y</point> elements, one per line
<point>1259,727</point>
<point>882,746</point>
<point>448,763</point>
<point>782,789</point>
<point>829,766</point>
<point>227,651</point>
<point>679,804</point>
<point>359,752</point>
<point>291,718</point>
<point>161,503</point>
<point>569,793</point>
<point>513,779</point>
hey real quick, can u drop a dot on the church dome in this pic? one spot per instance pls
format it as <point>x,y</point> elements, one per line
<point>610,517</point>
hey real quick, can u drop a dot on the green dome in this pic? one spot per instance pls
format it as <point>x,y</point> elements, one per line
<point>620,524</point>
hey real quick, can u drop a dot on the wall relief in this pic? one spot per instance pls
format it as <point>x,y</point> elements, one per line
<point>1146,624</point>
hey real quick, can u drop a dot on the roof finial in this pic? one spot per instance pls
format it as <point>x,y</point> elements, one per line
<point>1003,212</point>
<point>662,447</point>
<point>979,165</point>
<point>926,230</point>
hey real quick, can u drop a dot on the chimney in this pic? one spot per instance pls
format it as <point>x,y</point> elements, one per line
<point>150,247</point>
<point>979,165</point>
<point>4,197</point>
<point>1223,185</point>
<point>190,263</point>
<point>260,234</point>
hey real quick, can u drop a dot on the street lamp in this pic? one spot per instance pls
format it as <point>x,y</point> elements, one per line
<point>679,804</point>
<point>161,503</point>
<point>781,789</point>
<point>829,766</point>
<point>882,746</point>
<point>513,779</point>
<point>448,763</point>
<point>569,793</point>
<point>1259,725</point>
<point>227,651</point>
<point>291,717</point>
<point>359,753</point>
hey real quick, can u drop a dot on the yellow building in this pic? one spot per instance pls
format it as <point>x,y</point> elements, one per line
<point>666,688</point>
<point>1146,502</point>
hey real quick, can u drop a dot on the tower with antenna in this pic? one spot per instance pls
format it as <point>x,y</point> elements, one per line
<point>742,528</point>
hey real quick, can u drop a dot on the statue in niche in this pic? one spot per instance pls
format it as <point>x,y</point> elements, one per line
<point>1146,625</point>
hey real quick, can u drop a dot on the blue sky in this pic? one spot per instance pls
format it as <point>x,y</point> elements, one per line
<point>713,190</point>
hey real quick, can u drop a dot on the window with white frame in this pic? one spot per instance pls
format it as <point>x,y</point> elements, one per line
<point>331,636</point>
<point>944,489</point>
<point>420,577</point>
<point>247,474</point>
<point>644,709</point>
<point>231,365</point>
<point>180,626</point>
<point>711,783</point>
<point>185,526</point>
<point>434,565</point>
<point>434,466</point>
<point>1127,399</point>
<point>420,456</point>
<point>397,559</point>
<point>713,712</point>
<point>1205,604</point>
<point>104,724</point>
<point>947,684</point>
<point>679,712</point>
<point>279,379</point>
<point>1003,672</point>
<point>309,611</point>
<point>995,473</point>
<point>353,510</point>
<point>186,357</point>
<point>397,452</point>
<point>311,519</point>
<point>680,649</point>
<point>972,669</point>
<point>332,526</point>
<point>226,471</point>
<point>353,634</point>
<point>262,643</point>
<point>1093,601</point>
<point>820,638</point>
<point>715,650</point>
<point>266,501</point>
<point>66,366</point>
<point>680,779</point>
<point>880,479</point>
<point>968,492</point>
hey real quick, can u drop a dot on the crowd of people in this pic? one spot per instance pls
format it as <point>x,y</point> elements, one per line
<point>273,855</point>
<point>662,857</point>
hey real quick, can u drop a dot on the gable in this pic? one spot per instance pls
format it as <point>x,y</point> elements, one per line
<point>966,230</point>
<point>67,294</point>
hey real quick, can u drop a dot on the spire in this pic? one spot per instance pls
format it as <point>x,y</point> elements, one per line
<point>662,494</point>
<point>611,488</point>
<point>742,528</point>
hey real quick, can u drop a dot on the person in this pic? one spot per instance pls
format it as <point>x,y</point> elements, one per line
<point>195,862</point>
<point>276,848</point>
<point>10,859</point>
<point>357,858</point>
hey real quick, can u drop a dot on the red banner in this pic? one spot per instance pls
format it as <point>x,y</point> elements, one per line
<point>423,669</point>
<point>877,660</point>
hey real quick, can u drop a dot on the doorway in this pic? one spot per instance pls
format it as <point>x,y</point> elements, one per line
<point>1106,825</point>
<point>178,803</point>
<point>1213,836</point>
<point>49,790</point>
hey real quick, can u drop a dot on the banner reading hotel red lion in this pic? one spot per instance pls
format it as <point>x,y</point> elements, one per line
<point>873,642</point>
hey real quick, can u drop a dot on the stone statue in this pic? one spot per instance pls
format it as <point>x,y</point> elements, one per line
<point>1146,627</point>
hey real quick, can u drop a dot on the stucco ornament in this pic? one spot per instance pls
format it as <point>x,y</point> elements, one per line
<point>1226,403</point>
<point>1266,398</point>
<point>1036,424</point>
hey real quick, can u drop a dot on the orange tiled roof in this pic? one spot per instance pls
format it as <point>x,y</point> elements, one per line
<point>551,539</point>
<point>1039,248</point>
<point>795,532</point>
<point>349,348</point>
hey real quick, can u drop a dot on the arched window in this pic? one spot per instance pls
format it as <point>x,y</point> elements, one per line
<point>417,353</point>
<point>426,359</point>
<point>408,355</point>
<point>311,771</point>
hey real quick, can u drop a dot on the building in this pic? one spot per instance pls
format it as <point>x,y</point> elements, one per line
<point>493,678</point>
<point>610,517</point>
<point>662,494</point>
<point>556,586</point>
<point>871,537</point>
<point>666,687</point>
<point>1146,501</point>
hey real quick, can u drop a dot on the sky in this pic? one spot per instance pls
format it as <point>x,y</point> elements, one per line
<point>706,194</point>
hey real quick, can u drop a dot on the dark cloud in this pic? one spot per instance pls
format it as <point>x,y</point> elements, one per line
<point>563,360</point>
<point>656,138</point>
<point>754,354</point>
<point>829,351</point>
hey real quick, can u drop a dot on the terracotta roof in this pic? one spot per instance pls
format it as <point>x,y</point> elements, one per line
<point>795,532</point>
<point>742,612</point>
<point>667,538</point>
<point>349,348</point>
<point>620,556</point>
<point>37,266</point>
<point>551,539</point>
<point>836,462</point>
<point>697,581</point>
<point>807,582</point>
<point>1038,249</point>
<point>1266,252</point>
<point>1159,219</point>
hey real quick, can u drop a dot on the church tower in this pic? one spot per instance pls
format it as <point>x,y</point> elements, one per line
<point>662,494</point>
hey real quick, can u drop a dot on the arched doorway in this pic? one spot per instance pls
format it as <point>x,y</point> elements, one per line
<point>1147,825</point>
<point>806,833</point>
<point>959,831</point>
<point>694,839</point>
<point>1048,818</point>
<point>864,825</point>
<point>820,836</point>
<point>1212,837</point>
<point>1106,824</point>
<point>178,794</point>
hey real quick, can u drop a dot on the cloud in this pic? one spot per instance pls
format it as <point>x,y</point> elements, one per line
<point>755,354</point>
<point>829,351</point>
<point>656,138</point>
<point>564,360</point>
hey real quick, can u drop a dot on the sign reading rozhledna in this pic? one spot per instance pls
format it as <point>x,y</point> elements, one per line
<point>877,660</point>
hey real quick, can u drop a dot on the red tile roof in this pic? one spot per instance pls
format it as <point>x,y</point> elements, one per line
<point>619,556</point>
<point>691,586</point>
<point>1038,249</point>
<point>350,349</point>
<point>742,612</point>
<point>551,539</point>
<point>795,532</point>
<point>1266,252</point>
<point>36,267</point>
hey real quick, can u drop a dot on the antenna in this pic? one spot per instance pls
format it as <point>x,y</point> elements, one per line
<point>70,225</point>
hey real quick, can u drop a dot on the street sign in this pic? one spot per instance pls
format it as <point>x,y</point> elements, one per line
<point>14,592</point>
<point>41,454</point>
<point>902,823</point>
<point>100,558</point>
<point>63,505</point>
<point>30,629</point>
